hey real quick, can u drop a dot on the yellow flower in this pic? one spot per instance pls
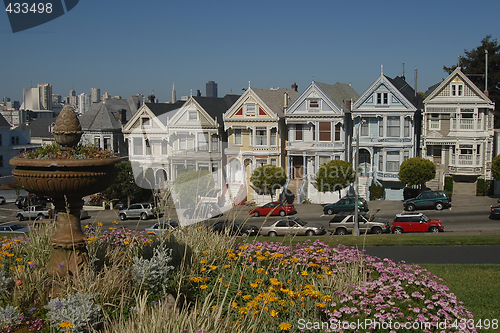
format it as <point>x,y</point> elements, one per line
<point>203,287</point>
<point>99,224</point>
<point>128,233</point>
<point>203,261</point>
<point>19,259</point>
<point>114,222</point>
<point>65,324</point>
<point>111,228</point>
<point>213,267</point>
<point>205,252</point>
<point>285,326</point>
<point>239,293</point>
<point>321,305</point>
<point>203,269</point>
<point>247,297</point>
<point>304,273</point>
<point>254,285</point>
<point>227,266</point>
<point>126,242</point>
<point>274,313</point>
<point>226,285</point>
<point>234,305</point>
<point>87,226</point>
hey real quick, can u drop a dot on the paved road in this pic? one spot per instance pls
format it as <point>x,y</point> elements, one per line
<point>438,254</point>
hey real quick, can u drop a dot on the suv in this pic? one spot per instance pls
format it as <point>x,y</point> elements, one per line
<point>343,223</point>
<point>345,204</point>
<point>428,200</point>
<point>409,222</point>
<point>143,211</point>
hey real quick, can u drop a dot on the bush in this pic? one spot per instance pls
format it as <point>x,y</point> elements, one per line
<point>376,191</point>
<point>483,187</point>
<point>448,185</point>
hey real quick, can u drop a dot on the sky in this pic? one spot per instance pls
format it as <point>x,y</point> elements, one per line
<point>130,47</point>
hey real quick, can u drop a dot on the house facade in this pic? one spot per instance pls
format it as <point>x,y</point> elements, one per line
<point>457,132</point>
<point>384,115</point>
<point>256,130</point>
<point>317,133</point>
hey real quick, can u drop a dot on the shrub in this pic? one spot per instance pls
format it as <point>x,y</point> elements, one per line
<point>448,185</point>
<point>154,273</point>
<point>9,316</point>
<point>481,187</point>
<point>376,191</point>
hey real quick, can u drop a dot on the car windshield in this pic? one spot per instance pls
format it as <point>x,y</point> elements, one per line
<point>16,227</point>
<point>425,218</point>
<point>300,221</point>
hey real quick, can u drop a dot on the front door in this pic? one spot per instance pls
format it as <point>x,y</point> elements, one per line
<point>298,167</point>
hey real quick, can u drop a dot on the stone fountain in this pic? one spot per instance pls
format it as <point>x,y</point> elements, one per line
<point>66,181</point>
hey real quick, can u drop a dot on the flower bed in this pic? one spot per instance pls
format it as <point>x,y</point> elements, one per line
<point>195,281</point>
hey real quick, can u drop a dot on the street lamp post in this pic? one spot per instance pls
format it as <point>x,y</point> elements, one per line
<point>356,182</point>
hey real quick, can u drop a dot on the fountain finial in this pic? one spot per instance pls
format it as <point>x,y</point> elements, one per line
<point>67,130</point>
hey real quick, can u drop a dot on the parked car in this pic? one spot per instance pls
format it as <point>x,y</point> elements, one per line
<point>415,222</point>
<point>23,201</point>
<point>428,200</point>
<point>346,204</point>
<point>343,224</point>
<point>162,227</point>
<point>291,226</point>
<point>13,228</point>
<point>235,229</point>
<point>203,210</point>
<point>273,208</point>
<point>495,211</point>
<point>143,211</point>
<point>34,212</point>
<point>121,205</point>
<point>2,200</point>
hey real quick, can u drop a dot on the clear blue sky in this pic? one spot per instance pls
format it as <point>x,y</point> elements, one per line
<point>129,47</point>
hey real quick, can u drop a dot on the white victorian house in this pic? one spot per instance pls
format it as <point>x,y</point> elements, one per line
<point>384,115</point>
<point>458,132</point>
<point>317,128</point>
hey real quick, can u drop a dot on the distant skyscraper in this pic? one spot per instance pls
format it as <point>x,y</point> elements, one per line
<point>56,98</point>
<point>211,89</point>
<point>83,103</point>
<point>95,95</point>
<point>31,99</point>
<point>72,98</point>
<point>45,96</point>
<point>173,93</point>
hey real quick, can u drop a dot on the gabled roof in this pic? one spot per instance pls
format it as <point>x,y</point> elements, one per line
<point>161,108</point>
<point>339,93</point>
<point>39,127</point>
<point>104,115</point>
<point>3,122</point>
<point>274,98</point>
<point>216,106</point>
<point>400,84</point>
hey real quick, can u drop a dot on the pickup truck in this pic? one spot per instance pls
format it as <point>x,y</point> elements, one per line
<point>33,212</point>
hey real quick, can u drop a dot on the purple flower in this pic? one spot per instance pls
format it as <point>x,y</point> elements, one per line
<point>32,265</point>
<point>58,304</point>
<point>61,265</point>
<point>32,309</point>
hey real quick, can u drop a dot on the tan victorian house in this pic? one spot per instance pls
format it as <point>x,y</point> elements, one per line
<point>257,135</point>
<point>457,132</point>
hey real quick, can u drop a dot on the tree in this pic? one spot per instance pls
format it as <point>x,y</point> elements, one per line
<point>495,167</point>
<point>473,65</point>
<point>191,185</point>
<point>124,186</point>
<point>334,175</point>
<point>267,179</point>
<point>416,171</point>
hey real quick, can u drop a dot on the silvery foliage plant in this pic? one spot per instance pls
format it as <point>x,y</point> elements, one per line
<point>9,316</point>
<point>78,309</point>
<point>4,283</point>
<point>153,274</point>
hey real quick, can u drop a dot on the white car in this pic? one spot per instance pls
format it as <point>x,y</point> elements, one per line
<point>162,227</point>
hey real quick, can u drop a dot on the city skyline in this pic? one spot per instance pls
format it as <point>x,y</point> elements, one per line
<point>127,50</point>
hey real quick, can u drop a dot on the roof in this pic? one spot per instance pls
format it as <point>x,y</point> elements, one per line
<point>104,115</point>
<point>162,108</point>
<point>339,93</point>
<point>3,122</point>
<point>432,88</point>
<point>216,106</point>
<point>408,92</point>
<point>273,98</point>
<point>39,127</point>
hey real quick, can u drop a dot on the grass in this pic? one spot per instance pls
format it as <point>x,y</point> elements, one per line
<point>393,240</point>
<point>478,286</point>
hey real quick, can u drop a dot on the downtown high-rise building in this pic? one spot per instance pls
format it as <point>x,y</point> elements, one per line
<point>83,103</point>
<point>45,94</point>
<point>72,98</point>
<point>211,88</point>
<point>95,95</point>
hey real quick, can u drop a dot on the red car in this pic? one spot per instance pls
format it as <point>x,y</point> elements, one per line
<point>275,208</point>
<point>415,223</point>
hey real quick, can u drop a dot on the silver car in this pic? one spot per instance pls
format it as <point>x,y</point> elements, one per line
<point>143,211</point>
<point>291,226</point>
<point>162,227</point>
<point>13,228</point>
<point>343,223</point>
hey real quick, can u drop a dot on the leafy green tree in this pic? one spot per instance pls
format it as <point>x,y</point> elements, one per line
<point>192,184</point>
<point>495,167</point>
<point>268,178</point>
<point>334,176</point>
<point>124,186</point>
<point>473,64</point>
<point>416,171</point>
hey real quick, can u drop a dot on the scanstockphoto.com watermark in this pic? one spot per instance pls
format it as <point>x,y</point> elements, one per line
<point>336,325</point>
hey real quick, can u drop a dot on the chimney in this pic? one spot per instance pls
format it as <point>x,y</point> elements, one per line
<point>295,87</point>
<point>348,104</point>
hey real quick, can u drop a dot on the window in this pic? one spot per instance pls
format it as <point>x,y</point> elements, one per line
<point>273,161</point>
<point>457,89</point>
<point>274,136</point>
<point>261,136</point>
<point>203,141</point>
<point>12,140</point>
<point>250,109</point>
<point>107,143</point>
<point>338,130</point>
<point>261,162</point>
<point>215,172</point>
<point>145,122</point>
<point>383,98</point>
<point>380,162</point>
<point>97,141</point>
<point>325,132</point>
<point>17,140</point>
<point>314,104</point>
<point>313,130</point>
<point>393,129</point>
<point>407,127</point>
<point>298,132</point>
<point>237,137</point>
<point>148,147</point>
<point>137,146</point>
<point>364,128</point>
<point>406,155</point>
<point>250,137</point>
<point>380,127</point>
<point>164,147</point>
<point>0,139</point>
<point>215,143</point>
<point>182,143</point>
<point>192,115</point>
<point>392,164</point>
<point>434,123</point>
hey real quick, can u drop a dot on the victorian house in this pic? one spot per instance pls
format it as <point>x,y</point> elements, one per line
<point>384,115</point>
<point>317,132</point>
<point>458,132</point>
<point>256,136</point>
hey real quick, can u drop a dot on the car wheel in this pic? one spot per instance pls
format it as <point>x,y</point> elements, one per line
<point>309,233</point>
<point>20,217</point>
<point>341,232</point>
<point>434,229</point>
<point>40,216</point>
<point>144,216</point>
<point>376,230</point>
<point>123,217</point>
<point>329,211</point>
<point>256,214</point>
<point>439,206</point>
<point>410,207</point>
<point>244,234</point>
<point>272,234</point>
<point>397,231</point>
<point>282,213</point>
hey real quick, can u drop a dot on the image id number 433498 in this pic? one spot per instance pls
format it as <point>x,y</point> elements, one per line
<point>24,8</point>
